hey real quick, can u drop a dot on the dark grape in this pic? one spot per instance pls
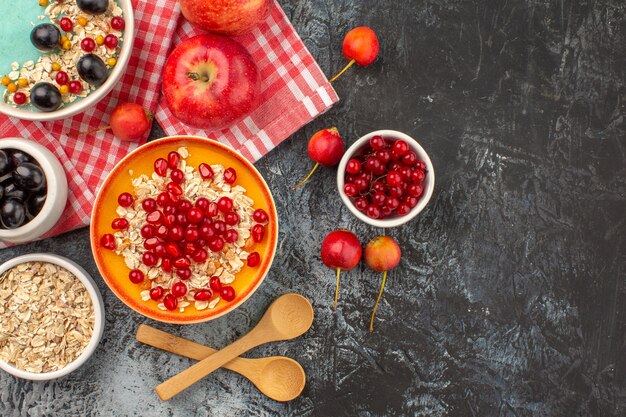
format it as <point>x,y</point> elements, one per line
<point>11,191</point>
<point>45,36</point>
<point>35,204</point>
<point>6,164</point>
<point>92,69</point>
<point>29,177</point>
<point>12,213</point>
<point>18,156</point>
<point>46,97</point>
<point>93,6</point>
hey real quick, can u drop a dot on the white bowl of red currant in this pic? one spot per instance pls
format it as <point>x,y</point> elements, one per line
<point>385,178</point>
<point>33,190</point>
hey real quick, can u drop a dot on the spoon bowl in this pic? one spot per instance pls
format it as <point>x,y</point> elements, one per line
<point>290,316</point>
<point>281,378</point>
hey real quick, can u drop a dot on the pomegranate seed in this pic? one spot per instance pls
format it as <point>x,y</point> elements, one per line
<point>201,243</point>
<point>206,172</point>
<point>254,259</point>
<point>19,98</point>
<point>230,175</point>
<point>66,24</point>
<point>170,219</point>
<point>88,44</point>
<point>118,23</point>
<point>150,243</point>
<point>394,178</point>
<point>107,241</point>
<point>211,210</point>
<point>403,209</point>
<point>379,199</point>
<point>231,218</point>
<point>410,158</point>
<point>194,215</point>
<point>166,265</point>
<point>203,295</point>
<point>350,190</point>
<point>174,188</point>
<point>62,78</point>
<point>224,204</point>
<point>184,273</point>
<point>373,211</point>
<point>400,147</point>
<point>174,198</point>
<point>260,216</point>
<point>162,232</point>
<point>215,284</point>
<point>415,190</point>
<point>147,231</point>
<point>125,200</point>
<point>200,255</point>
<point>181,218</point>
<point>163,199</point>
<point>353,166</point>
<point>169,210</point>
<point>219,227</point>
<point>173,249</point>
<point>75,87</point>
<point>111,41</point>
<point>182,262</point>
<point>179,289</point>
<point>227,293</point>
<point>149,259</point>
<point>384,155</point>
<point>177,176</point>
<point>119,224</point>
<point>360,204</point>
<point>202,203</point>
<point>149,204</point>
<point>231,236</point>
<point>135,276</point>
<point>190,248</point>
<point>160,167</point>
<point>156,217</point>
<point>173,159</point>
<point>417,176</point>
<point>170,302</point>
<point>216,244</point>
<point>176,233</point>
<point>207,231</point>
<point>156,293</point>
<point>192,233</point>
<point>258,231</point>
<point>377,142</point>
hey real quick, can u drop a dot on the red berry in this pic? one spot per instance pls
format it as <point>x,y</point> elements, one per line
<point>216,244</point>
<point>147,231</point>
<point>215,284</point>
<point>149,259</point>
<point>224,204</point>
<point>75,87</point>
<point>160,167</point>
<point>155,217</point>
<point>183,273</point>
<point>405,171</point>
<point>107,241</point>
<point>62,78</point>
<point>230,175</point>
<point>379,186</point>
<point>254,259</point>
<point>118,23</point>
<point>110,41</point>
<point>375,166</point>
<point>373,211</point>
<point>395,191</point>
<point>19,98</point>
<point>353,166</point>
<point>156,293</point>
<point>257,232</point>
<point>420,165</point>
<point>410,158</point>
<point>384,155</point>
<point>394,178</point>
<point>66,24</point>
<point>231,218</point>
<point>377,142</point>
<point>206,172</point>
<point>417,176</point>
<point>403,209</point>
<point>177,176</point>
<point>173,159</point>
<point>400,147</point>
<point>175,233</point>
<point>392,203</point>
<point>227,293</point>
<point>361,184</point>
<point>260,216</point>
<point>170,302</point>
<point>415,190</point>
<point>203,295</point>
<point>379,199</point>
<point>350,190</point>
<point>88,44</point>
<point>119,223</point>
<point>179,289</point>
<point>360,204</point>
<point>135,276</point>
<point>410,201</point>
<point>194,215</point>
<point>211,210</point>
<point>231,236</point>
<point>202,203</point>
<point>125,200</point>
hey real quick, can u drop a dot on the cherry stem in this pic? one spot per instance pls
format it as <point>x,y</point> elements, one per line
<point>337,290</point>
<point>149,115</point>
<point>306,178</point>
<point>380,294</point>
<point>342,71</point>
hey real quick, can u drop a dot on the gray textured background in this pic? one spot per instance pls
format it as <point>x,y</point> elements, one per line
<point>511,296</point>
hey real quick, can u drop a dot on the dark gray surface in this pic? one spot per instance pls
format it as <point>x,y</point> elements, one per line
<point>511,296</point>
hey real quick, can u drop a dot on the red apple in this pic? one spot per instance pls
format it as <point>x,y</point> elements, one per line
<point>341,250</point>
<point>210,82</point>
<point>382,254</point>
<point>129,121</point>
<point>226,17</point>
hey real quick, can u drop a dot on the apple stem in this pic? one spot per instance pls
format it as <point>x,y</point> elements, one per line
<point>337,289</point>
<point>380,294</point>
<point>76,134</point>
<point>342,71</point>
<point>195,76</point>
<point>306,178</point>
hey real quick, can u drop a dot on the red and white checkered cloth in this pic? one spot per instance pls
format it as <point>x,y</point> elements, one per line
<point>294,91</point>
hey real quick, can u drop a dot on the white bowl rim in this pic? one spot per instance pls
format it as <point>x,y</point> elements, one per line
<point>421,153</point>
<point>94,97</point>
<point>56,186</point>
<point>98,307</point>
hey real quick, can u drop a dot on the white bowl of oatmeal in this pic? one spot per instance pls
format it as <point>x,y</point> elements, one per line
<point>51,316</point>
<point>22,66</point>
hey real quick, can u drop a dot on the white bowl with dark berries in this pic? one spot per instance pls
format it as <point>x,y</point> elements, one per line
<point>385,178</point>
<point>68,56</point>
<point>33,190</point>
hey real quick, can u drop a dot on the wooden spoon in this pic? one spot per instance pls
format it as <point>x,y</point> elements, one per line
<point>278,377</point>
<point>288,317</point>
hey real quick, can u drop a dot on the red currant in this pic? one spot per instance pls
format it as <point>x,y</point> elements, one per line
<point>170,302</point>
<point>417,176</point>
<point>66,24</point>
<point>260,216</point>
<point>392,203</point>
<point>395,191</point>
<point>394,178</point>
<point>379,198</point>
<point>379,186</point>
<point>136,276</point>
<point>111,41</point>
<point>227,293</point>
<point>62,78</point>
<point>156,293</point>
<point>353,166</point>
<point>360,204</point>
<point>414,190</point>
<point>230,175</point>
<point>361,184</point>
<point>75,87</point>
<point>350,190</point>
<point>19,98</point>
<point>410,158</point>
<point>375,166</point>
<point>421,165</point>
<point>125,200</point>
<point>254,259</point>
<point>107,241</point>
<point>403,209</point>
<point>384,155</point>
<point>400,147</point>
<point>377,142</point>
<point>118,23</point>
<point>88,44</point>
<point>373,211</point>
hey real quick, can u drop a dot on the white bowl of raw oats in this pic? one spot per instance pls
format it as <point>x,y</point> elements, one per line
<point>51,316</point>
<point>58,59</point>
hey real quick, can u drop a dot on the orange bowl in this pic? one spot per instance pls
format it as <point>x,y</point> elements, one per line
<point>141,161</point>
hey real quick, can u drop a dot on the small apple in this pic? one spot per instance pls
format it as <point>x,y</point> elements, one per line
<point>382,254</point>
<point>360,46</point>
<point>210,82</point>
<point>225,17</point>
<point>341,250</point>
<point>326,148</point>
